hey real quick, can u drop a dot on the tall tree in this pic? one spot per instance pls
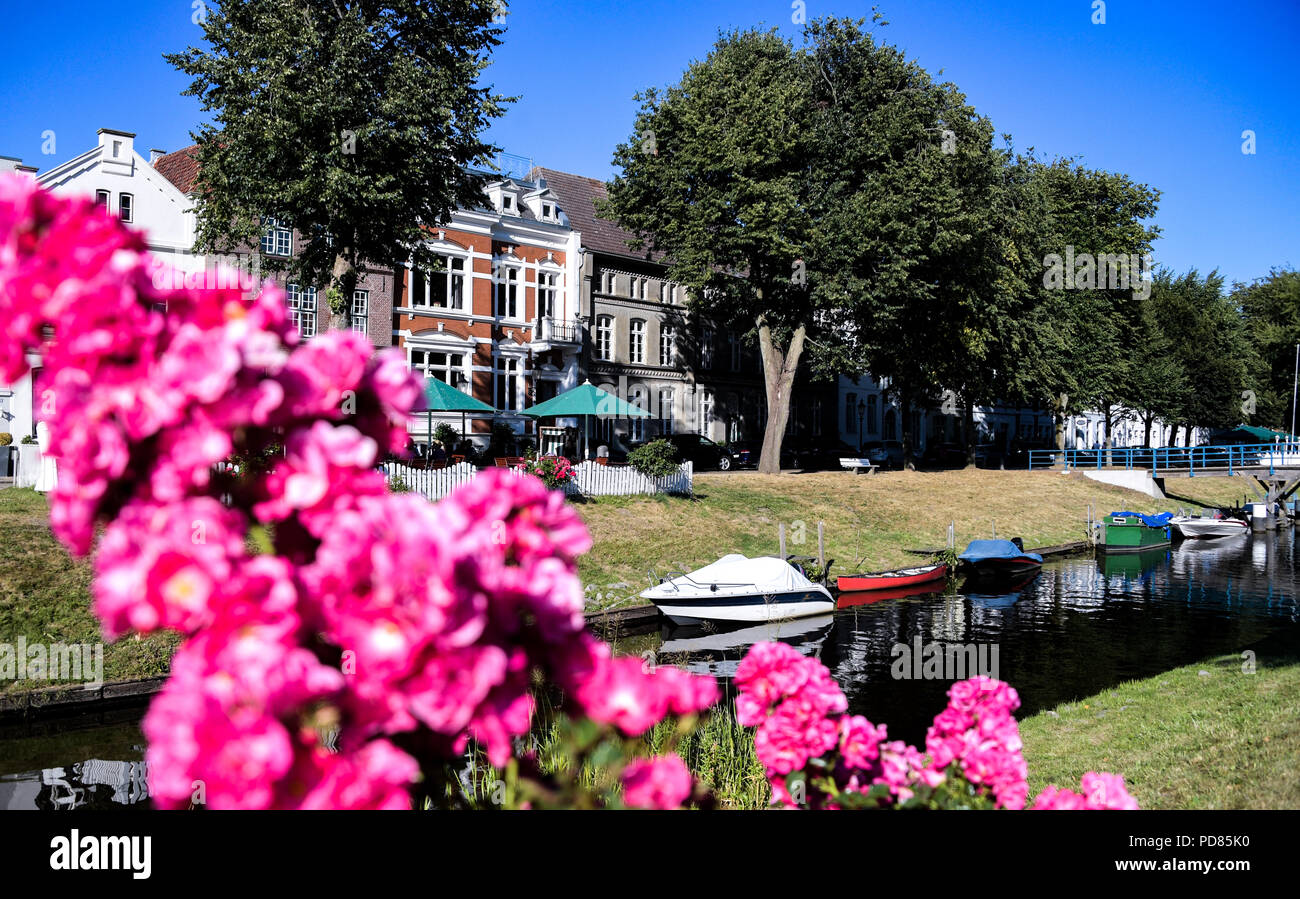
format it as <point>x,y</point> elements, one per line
<point>355,120</point>
<point>1271,307</point>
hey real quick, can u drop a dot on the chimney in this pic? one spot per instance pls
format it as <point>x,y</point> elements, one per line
<point>14,164</point>
<point>155,155</point>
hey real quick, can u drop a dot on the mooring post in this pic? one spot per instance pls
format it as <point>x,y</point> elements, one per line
<point>781,532</point>
<point>821,544</point>
<point>995,527</point>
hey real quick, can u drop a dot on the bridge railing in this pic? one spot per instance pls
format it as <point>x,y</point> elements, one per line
<point>1181,459</point>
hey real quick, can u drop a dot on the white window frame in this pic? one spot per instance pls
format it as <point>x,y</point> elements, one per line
<point>302,309</point>
<point>506,368</point>
<point>361,311</point>
<point>126,207</point>
<point>548,291</point>
<point>667,344</point>
<point>636,341</point>
<point>104,198</point>
<point>276,236</point>
<point>636,396</point>
<point>605,338</point>
<point>666,408</point>
<point>506,289</point>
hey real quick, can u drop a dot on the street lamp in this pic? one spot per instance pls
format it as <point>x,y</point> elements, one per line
<point>862,411</point>
<point>1294,383</point>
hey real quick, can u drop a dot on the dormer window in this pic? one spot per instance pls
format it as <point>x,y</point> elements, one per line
<point>508,203</point>
<point>117,149</point>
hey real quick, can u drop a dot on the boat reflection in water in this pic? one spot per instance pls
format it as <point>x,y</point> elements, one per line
<point>717,649</point>
<point>1001,593</point>
<point>1135,565</point>
<point>92,784</point>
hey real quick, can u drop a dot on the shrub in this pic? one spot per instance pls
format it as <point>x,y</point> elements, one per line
<point>657,459</point>
<point>397,484</point>
<point>554,471</point>
<point>446,435</point>
<point>6,438</point>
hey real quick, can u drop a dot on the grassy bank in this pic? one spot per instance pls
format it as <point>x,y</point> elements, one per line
<point>870,521</point>
<point>1206,736</point>
<point>45,596</point>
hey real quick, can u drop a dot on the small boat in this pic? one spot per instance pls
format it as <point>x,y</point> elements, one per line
<point>1133,532</point>
<point>737,588</point>
<point>890,580</point>
<point>999,558</point>
<point>1192,527</point>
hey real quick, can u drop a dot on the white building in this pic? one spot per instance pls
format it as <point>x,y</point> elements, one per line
<point>127,184</point>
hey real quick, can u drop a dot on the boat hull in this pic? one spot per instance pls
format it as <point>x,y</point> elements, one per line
<point>890,580</point>
<point>1131,535</point>
<point>1000,568</point>
<point>752,607</point>
<point>1201,528</point>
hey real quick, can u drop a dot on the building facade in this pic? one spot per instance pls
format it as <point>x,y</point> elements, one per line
<point>499,318</point>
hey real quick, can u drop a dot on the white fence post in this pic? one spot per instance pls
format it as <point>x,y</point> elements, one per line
<point>590,479</point>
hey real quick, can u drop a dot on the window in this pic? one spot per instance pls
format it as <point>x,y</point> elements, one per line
<point>546,285</point>
<point>667,344</point>
<point>449,368</point>
<point>706,411</point>
<point>278,239</point>
<point>817,417</point>
<point>706,348</point>
<point>636,343</point>
<point>302,309</point>
<point>548,212</point>
<point>505,378</point>
<point>507,292</point>
<point>507,203</point>
<point>734,340</point>
<point>101,198</point>
<point>605,338</point>
<point>850,413</point>
<point>636,426</point>
<point>361,311</point>
<point>440,289</point>
<point>126,207</point>
<point>666,411</point>
<point>871,414</point>
<point>607,282</point>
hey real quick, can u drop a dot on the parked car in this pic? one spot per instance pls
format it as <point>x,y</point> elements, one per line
<point>944,455</point>
<point>884,453</point>
<point>702,452</point>
<point>989,455</point>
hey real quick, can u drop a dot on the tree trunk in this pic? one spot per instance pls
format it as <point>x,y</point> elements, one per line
<point>778,379</point>
<point>1146,439</point>
<point>909,439</point>
<point>968,427</point>
<point>343,279</point>
<point>1061,423</point>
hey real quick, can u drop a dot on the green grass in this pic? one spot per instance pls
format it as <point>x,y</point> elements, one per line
<point>870,520</point>
<point>1183,739</point>
<point>45,596</point>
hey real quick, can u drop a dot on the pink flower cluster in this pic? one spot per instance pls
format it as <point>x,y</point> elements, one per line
<point>392,620</point>
<point>796,707</point>
<point>658,783</point>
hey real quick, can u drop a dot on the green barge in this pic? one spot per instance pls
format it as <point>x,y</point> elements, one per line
<point>1129,532</point>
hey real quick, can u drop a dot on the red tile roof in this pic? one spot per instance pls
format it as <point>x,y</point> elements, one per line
<point>180,168</point>
<point>577,196</point>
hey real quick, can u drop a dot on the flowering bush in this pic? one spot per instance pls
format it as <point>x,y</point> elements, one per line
<point>817,757</point>
<point>407,628</point>
<point>554,471</point>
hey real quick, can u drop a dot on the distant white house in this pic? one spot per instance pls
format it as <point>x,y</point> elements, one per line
<point>16,400</point>
<point>118,177</point>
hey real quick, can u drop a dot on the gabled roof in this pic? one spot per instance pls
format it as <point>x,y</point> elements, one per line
<point>577,196</point>
<point>181,168</point>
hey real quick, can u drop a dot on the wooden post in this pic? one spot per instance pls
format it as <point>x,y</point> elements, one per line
<point>995,528</point>
<point>781,533</point>
<point>821,544</point>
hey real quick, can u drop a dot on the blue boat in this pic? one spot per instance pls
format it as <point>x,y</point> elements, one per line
<point>999,558</point>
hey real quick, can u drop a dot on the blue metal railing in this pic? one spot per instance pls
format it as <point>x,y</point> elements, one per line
<point>1174,458</point>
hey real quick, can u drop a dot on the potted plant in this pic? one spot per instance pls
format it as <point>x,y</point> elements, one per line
<point>6,453</point>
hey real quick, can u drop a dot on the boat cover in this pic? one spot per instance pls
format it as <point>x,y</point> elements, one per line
<point>1151,521</point>
<point>766,574</point>
<point>980,550</point>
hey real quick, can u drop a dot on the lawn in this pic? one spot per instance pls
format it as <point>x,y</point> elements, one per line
<point>1206,736</point>
<point>45,596</point>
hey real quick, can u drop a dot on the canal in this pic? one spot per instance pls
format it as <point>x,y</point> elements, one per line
<point>1079,627</point>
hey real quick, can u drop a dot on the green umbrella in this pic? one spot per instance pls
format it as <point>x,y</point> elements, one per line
<point>585,400</point>
<point>440,396</point>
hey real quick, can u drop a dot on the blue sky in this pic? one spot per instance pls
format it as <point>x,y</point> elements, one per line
<point>1162,91</point>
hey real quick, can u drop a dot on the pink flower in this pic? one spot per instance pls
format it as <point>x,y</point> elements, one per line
<point>662,782</point>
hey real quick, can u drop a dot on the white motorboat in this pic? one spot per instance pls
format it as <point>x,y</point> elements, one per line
<point>1194,526</point>
<point>737,588</point>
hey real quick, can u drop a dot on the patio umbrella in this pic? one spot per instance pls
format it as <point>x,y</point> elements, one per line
<point>585,401</point>
<point>439,396</point>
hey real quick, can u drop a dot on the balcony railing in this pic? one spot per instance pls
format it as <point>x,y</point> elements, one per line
<point>553,330</point>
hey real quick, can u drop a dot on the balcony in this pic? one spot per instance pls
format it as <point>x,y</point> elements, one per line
<point>556,333</point>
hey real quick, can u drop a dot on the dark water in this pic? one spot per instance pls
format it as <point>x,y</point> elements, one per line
<point>1079,627</point>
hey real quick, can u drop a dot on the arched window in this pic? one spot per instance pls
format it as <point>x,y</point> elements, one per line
<point>605,338</point>
<point>636,342</point>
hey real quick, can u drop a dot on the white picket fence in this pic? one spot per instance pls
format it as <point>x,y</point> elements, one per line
<point>590,480</point>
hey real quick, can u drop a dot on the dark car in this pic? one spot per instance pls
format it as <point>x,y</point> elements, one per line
<point>989,455</point>
<point>702,452</point>
<point>884,453</point>
<point>944,455</point>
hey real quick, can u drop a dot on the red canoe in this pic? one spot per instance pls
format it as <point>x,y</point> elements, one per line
<point>890,580</point>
